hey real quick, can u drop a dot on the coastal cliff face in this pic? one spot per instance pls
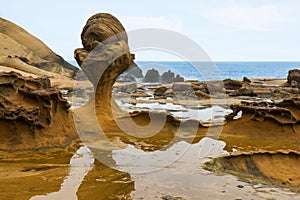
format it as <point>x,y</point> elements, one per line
<point>21,50</point>
<point>33,115</point>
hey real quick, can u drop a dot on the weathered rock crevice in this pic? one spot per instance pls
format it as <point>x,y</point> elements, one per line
<point>33,115</point>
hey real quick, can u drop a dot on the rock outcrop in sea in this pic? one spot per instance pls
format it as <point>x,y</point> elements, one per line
<point>153,76</point>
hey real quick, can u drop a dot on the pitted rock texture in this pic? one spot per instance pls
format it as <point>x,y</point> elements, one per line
<point>109,59</point>
<point>285,112</point>
<point>294,78</point>
<point>263,126</point>
<point>280,169</point>
<point>33,115</point>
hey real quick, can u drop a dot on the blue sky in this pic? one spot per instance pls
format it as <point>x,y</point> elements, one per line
<point>228,30</point>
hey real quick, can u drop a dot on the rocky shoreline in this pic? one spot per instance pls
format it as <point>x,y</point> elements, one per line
<point>263,127</point>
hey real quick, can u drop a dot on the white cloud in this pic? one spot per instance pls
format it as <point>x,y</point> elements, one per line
<point>138,22</point>
<point>262,18</point>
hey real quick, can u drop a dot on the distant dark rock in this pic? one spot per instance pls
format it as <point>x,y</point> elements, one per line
<point>160,91</point>
<point>135,71</point>
<point>202,95</point>
<point>152,76</point>
<point>246,80</point>
<point>246,91</point>
<point>178,78</point>
<point>196,85</point>
<point>126,78</point>
<point>127,88</point>
<point>182,88</point>
<point>232,84</point>
<point>140,94</point>
<point>293,78</point>
<point>168,77</point>
<point>169,197</point>
<point>214,87</point>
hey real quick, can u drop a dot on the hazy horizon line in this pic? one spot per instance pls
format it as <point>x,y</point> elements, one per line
<point>210,61</point>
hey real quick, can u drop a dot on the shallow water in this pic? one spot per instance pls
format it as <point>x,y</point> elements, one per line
<point>176,171</point>
<point>80,164</point>
<point>202,114</point>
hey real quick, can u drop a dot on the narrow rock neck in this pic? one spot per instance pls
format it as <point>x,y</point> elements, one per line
<point>104,88</point>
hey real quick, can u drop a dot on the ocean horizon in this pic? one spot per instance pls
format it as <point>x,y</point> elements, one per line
<point>221,69</point>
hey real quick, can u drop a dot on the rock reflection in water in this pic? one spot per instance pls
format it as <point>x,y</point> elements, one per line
<point>21,181</point>
<point>103,182</point>
<point>81,163</point>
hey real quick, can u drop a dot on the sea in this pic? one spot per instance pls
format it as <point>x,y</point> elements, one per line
<point>220,70</point>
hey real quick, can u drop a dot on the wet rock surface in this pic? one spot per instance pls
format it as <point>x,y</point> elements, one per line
<point>279,169</point>
<point>262,137</point>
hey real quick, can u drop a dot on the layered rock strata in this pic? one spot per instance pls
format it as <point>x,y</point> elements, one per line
<point>33,115</point>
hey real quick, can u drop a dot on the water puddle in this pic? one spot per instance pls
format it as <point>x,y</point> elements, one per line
<point>177,171</point>
<point>203,114</point>
<point>80,164</point>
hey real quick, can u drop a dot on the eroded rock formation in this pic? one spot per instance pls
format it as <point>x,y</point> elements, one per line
<point>280,169</point>
<point>33,115</point>
<point>103,59</point>
<point>293,78</point>
<point>168,77</point>
<point>135,71</point>
<point>152,76</point>
<point>252,128</point>
<point>264,138</point>
<point>264,126</point>
<point>21,50</point>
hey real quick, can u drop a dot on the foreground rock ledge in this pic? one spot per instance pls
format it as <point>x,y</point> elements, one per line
<point>33,115</point>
